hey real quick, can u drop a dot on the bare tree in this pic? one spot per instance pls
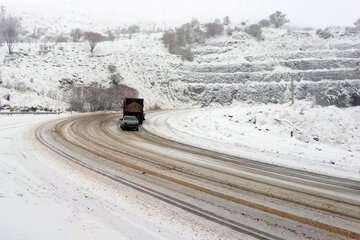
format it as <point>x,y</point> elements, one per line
<point>227,21</point>
<point>10,29</point>
<point>76,34</point>
<point>93,38</point>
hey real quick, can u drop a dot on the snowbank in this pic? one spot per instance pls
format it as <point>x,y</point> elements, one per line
<point>325,139</point>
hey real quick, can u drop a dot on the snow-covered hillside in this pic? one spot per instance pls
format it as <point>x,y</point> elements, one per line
<point>225,68</point>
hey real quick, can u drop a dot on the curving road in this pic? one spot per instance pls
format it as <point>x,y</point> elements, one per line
<point>259,200</point>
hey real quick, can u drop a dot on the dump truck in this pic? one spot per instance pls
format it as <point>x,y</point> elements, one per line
<point>134,107</point>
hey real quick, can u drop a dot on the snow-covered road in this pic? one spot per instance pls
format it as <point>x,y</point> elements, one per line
<point>43,197</point>
<point>224,197</point>
<point>96,182</point>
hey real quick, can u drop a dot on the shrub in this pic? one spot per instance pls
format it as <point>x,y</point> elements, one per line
<point>325,34</point>
<point>265,23</point>
<point>334,96</point>
<point>186,54</point>
<point>115,79</point>
<point>255,31</point>
<point>278,19</point>
<point>112,68</point>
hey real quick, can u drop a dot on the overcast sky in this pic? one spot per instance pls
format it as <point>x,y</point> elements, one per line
<point>301,12</point>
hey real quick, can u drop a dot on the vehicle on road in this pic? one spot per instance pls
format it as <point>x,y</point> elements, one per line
<point>134,107</point>
<point>129,123</point>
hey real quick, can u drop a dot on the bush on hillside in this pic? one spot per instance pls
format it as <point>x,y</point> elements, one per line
<point>115,79</point>
<point>324,34</point>
<point>186,54</point>
<point>112,68</point>
<point>255,31</point>
<point>265,23</point>
<point>278,19</point>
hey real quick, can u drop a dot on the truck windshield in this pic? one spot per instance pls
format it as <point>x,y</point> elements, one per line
<point>130,118</point>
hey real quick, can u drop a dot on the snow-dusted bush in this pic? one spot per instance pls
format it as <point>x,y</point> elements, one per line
<point>255,31</point>
<point>278,19</point>
<point>325,34</point>
<point>115,79</point>
<point>112,68</point>
<point>21,87</point>
<point>264,23</point>
<point>186,54</point>
<point>179,42</point>
<point>334,96</point>
<point>66,84</point>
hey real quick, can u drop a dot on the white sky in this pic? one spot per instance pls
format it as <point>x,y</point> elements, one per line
<point>301,12</point>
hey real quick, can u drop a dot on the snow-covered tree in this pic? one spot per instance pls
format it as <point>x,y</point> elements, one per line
<point>227,21</point>
<point>93,38</point>
<point>76,34</point>
<point>10,29</point>
<point>278,19</point>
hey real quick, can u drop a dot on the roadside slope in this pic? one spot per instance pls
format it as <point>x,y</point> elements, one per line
<point>326,140</point>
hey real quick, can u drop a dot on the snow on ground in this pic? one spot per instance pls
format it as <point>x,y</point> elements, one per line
<point>141,61</point>
<point>225,69</point>
<point>43,197</point>
<point>326,139</point>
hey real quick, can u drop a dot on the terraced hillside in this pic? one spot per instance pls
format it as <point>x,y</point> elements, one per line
<point>240,68</point>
